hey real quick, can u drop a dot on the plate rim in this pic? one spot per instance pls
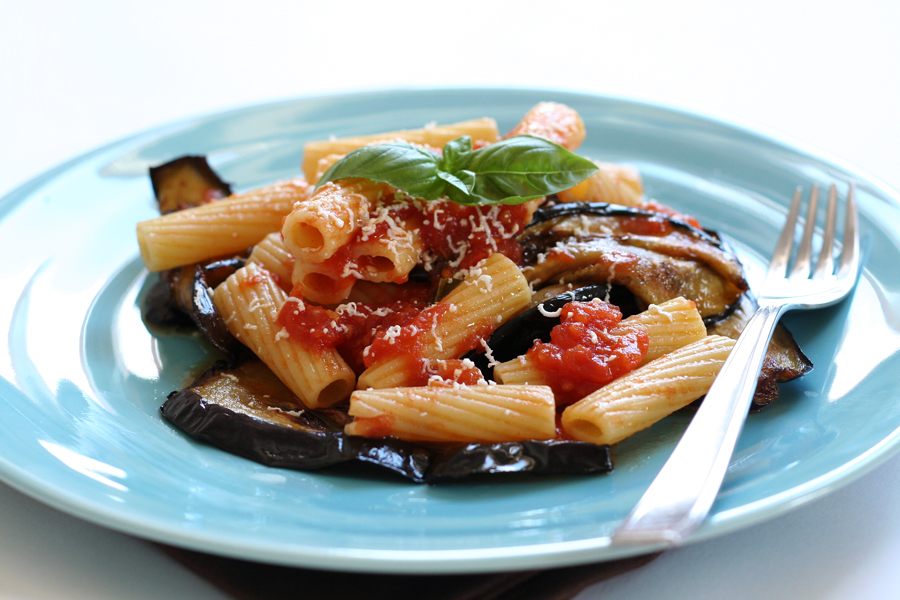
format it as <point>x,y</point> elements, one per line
<point>538,555</point>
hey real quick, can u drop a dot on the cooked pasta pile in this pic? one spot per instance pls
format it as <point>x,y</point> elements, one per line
<point>356,290</point>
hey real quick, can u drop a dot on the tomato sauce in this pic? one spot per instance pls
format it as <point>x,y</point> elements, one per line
<point>254,280</point>
<point>646,225</point>
<point>349,328</point>
<point>406,339</point>
<point>582,355</point>
<point>670,212</point>
<point>449,371</point>
<point>465,235</point>
<point>374,427</point>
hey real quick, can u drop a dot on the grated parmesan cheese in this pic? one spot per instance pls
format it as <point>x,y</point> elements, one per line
<point>300,304</point>
<point>550,314</point>
<point>656,308</point>
<point>254,305</point>
<point>391,334</point>
<point>489,354</point>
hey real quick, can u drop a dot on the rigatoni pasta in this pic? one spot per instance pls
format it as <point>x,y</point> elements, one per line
<point>553,121</point>
<point>250,301</point>
<point>486,413</point>
<point>646,395</point>
<point>613,183</point>
<point>485,299</point>
<point>272,255</point>
<point>480,130</point>
<point>319,226</point>
<point>218,228</point>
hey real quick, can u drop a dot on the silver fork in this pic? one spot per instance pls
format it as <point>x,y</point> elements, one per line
<point>680,497</point>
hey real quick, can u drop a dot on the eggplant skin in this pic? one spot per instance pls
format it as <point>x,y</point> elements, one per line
<point>158,308</point>
<point>183,296</point>
<point>257,439</point>
<point>549,212</point>
<point>200,307</point>
<point>186,182</point>
<point>546,457</point>
<point>245,410</point>
<point>784,360</point>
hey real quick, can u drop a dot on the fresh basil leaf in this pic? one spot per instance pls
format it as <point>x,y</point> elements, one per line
<point>454,181</point>
<point>511,171</point>
<point>399,164</point>
<point>455,153</point>
<point>467,177</point>
<point>523,168</point>
<point>475,198</point>
<point>460,197</point>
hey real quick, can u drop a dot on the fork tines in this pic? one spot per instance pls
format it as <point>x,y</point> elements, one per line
<point>825,262</point>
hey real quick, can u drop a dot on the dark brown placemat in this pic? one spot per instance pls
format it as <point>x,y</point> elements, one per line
<point>246,580</point>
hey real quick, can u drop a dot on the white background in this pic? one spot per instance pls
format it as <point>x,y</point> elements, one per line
<point>823,75</point>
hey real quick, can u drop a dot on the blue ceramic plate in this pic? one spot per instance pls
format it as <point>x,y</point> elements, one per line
<point>81,379</point>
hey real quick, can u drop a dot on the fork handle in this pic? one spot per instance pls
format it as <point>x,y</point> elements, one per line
<point>681,495</point>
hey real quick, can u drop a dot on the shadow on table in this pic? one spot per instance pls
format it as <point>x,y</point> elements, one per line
<point>245,580</point>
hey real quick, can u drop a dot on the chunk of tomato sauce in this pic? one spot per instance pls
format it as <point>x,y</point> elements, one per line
<point>408,342</point>
<point>405,339</point>
<point>469,234</point>
<point>583,353</point>
<point>348,330</point>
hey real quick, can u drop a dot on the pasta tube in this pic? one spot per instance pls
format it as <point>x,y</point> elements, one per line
<point>616,184</point>
<point>669,326</point>
<point>646,395</point>
<point>473,413</point>
<point>480,130</point>
<point>488,297</point>
<point>379,294</point>
<point>389,258</point>
<point>552,121</point>
<point>249,301</point>
<point>218,228</point>
<point>319,226</point>
<point>271,254</point>
<point>318,282</point>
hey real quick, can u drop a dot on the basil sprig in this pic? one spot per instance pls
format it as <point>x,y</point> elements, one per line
<point>511,171</point>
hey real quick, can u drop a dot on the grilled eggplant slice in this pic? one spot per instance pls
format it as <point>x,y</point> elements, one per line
<point>186,182</point>
<point>184,295</point>
<point>247,411</point>
<point>192,290</point>
<point>593,242</point>
<point>784,360</point>
<point>158,307</point>
<point>182,183</point>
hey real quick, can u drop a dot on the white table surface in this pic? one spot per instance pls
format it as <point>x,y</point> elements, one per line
<point>824,76</point>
